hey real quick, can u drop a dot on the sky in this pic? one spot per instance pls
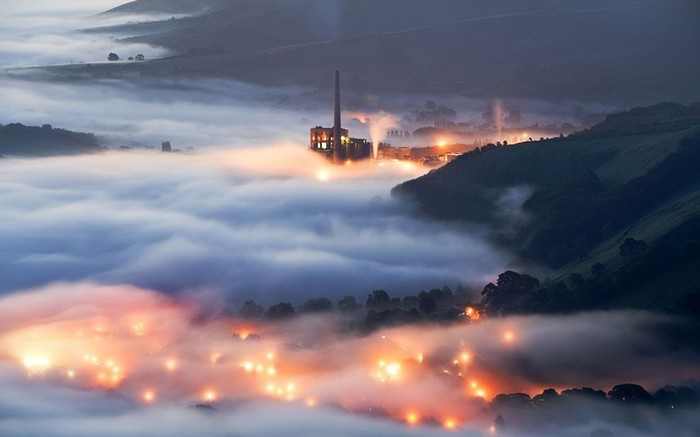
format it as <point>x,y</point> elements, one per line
<point>115,266</point>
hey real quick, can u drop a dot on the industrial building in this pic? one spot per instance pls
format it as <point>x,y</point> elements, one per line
<point>323,139</point>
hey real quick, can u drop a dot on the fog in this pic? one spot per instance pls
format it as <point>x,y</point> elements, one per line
<point>48,33</point>
<point>246,212</point>
<point>115,266</point>
<point>85,357</point>
<point>258,223</point>
<point>187,113</point>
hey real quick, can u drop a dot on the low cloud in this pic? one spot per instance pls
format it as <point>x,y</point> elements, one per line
<point>188,113</point>
<point>250,223</point>
<point>47,34</point>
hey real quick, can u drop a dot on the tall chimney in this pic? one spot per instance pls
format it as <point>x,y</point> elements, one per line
<point>337,130</point>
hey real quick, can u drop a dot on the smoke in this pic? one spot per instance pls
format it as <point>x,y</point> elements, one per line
<point>509,203</point>
<point>498,118</point>
<point>378,125</point>
<point>80,354</point>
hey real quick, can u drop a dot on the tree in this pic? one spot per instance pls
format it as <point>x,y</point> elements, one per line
<point>598,270</point>
<point>509,287</point>
<point>632,247</point>
<point>318,305</point>
<point>576,280</point>
<point>630,393</point>
<point>113,57</point>
<point>548,396</point>
<point>426,304</point>
<point>280,311</point>
<point>347,305</point>
<point>584,393</point>
<point>409,302</point>
<point>251,310</point>
<point>671,397</point>
<point>513,400</point>
<point>378,300</point>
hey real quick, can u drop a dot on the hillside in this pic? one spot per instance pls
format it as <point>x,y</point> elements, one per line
<point>19,140</point>
<point>629,202</point>
<point>168,6</point>
<point>473,48</point>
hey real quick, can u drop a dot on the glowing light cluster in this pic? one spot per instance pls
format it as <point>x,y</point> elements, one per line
<point>159,356</point>
<point>472,314</point>
<point>387,371</point>
<point>508,337</point>
<point>36,364</point>
<point>209,395</point>
<point>412,418</point>
<point>286,391</point>
<point>149,396</point>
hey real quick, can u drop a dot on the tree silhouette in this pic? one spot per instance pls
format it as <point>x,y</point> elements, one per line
<point>251,310</point>
<point>632,247</point>
<point>378,300</point>
<point>318,305</point>
<point>280,311</point>
<point>426,304</point>
<point>348,305</point>
<point>630,393</point>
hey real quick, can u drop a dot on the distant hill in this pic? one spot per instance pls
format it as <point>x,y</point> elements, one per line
<point>660,117</point>
<point>628,201</point>
<point>19,140</point>
<point>168,6</point>
<point>634,51</point>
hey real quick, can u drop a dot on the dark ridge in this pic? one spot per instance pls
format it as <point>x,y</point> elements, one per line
<point>19,140</point>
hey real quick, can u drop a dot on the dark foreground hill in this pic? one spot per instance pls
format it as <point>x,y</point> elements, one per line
<point>615,213</point>
<point>634,51</point>
<point>19,140</point>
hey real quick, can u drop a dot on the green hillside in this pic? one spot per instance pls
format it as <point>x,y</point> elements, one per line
<point>625,202</point>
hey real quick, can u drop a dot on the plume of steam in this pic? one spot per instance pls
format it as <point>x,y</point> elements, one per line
<point>378,124</point>
<point>498,117</point>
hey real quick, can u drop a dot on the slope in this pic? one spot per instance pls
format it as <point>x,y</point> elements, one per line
<point>603,50</point>
<point>616,215</point>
